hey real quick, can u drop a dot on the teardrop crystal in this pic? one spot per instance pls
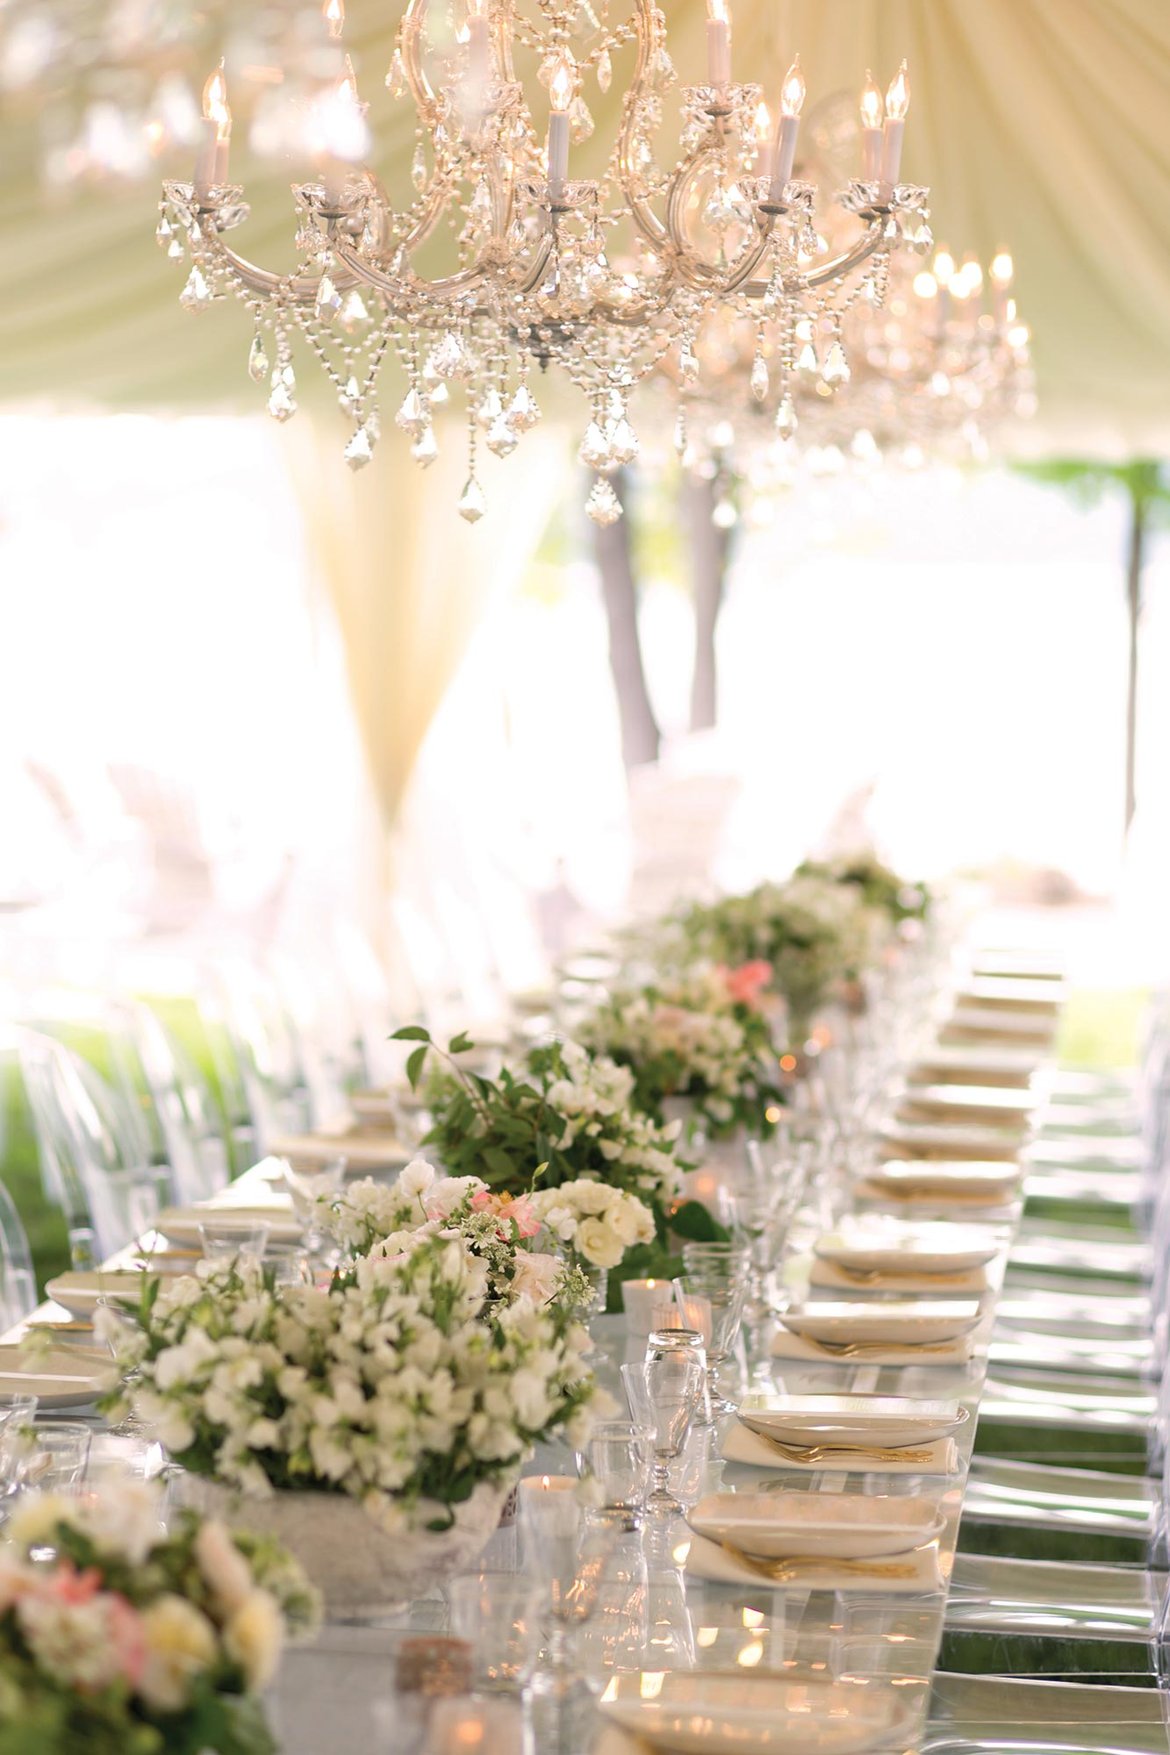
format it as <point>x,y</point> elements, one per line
<point>623,442</point>
<point>280,403</point>
<point>257,360</point>
<point>328,299</point>
<point>426,447</point>
<point>786,418</point>
<point>806,359</point>
<point>164,231</point>
<point>688,366</point>
<point>396,76</point>
<point>759,378</point>
<point>594,449</point>
<point>354,311</point>
<point>604,70</point>
<point>412,415</point>
<point>664,73</point>
<point>418,168</point>
<point>501,440</point>
<point>491,407</point>
<point>196,294</point>
<point>359,450</point>
<point>175,251</point>
<point>472,504</point>
<point>836,367</point>
<point>523,410</point>
<point>581,123</point>
<point>603,505</point>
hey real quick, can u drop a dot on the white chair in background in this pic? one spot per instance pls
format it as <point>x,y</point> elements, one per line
<point>183,1104</point>
<point>18,1286</point>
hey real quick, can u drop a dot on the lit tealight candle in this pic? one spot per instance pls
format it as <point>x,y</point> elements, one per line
<point>718,44</point>
<point>475,1727</point>
<point>791,104</point>
<point>873,114</point>
<point>897,104</point>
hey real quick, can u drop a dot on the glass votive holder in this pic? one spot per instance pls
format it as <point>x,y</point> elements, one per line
<point>465,1725</point>
<point>57,1459</point>
<point>647,1304</point>
<point>499,1615</point>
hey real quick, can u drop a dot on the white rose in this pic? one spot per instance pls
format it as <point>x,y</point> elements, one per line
<point>598,1243</point>
<point>628,1221</point>
<point>536,1276</point>
<point>253,1638</point>
<point>590,1196</point>
<point>448,1193</point>
<point>124,1520</point>
<point>36,1516</point>
<point>226,1571</point>
<point>180,1643</point>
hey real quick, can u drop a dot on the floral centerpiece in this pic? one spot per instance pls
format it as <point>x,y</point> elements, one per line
<point>811,932</point>
<point>701,1035</point>
<point>610,1182</point>
<point>879,886</point>
<point>118,1637</point>
<point>364,1420</point>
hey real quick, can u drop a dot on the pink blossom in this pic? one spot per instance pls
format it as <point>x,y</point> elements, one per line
<point>517,1212</point>
<point>128,1637</point>
<point>67,1585</point>
<point>747,982</point>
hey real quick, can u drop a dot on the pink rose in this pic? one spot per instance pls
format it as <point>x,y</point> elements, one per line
<point>515,1212</point>
<point>745,984</point>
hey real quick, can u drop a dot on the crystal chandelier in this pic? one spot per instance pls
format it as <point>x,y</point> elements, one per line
<point>931,375</point>
<point>502,264</point>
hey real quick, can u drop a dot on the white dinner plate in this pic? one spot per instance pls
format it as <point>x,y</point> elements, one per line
<point>364,1153</point>
<point>890,1247</point>
<point>949,1140</point>
<point>181,1224</point>
<point>963,1179</point>
<point>900,1322</point>
<point>887,1421</point>
<point>836,1526</point>
<point>375,1108</point>
<point>81,1293</point>
<point>977,1105</point>
<point>695,1713</point>
<point>60,1378</point>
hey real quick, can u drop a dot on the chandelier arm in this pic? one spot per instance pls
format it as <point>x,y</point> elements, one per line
<point>410,49</point>
<point>404,284</point>
<point>642,213</point>
<point>300,288</point>
<point>838,266</point>
<point>691,266</point>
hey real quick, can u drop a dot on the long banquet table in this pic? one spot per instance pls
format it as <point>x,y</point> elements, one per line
<point>340,1691</point>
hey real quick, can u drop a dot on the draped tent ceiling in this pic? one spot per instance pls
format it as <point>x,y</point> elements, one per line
<point>1042,124</point>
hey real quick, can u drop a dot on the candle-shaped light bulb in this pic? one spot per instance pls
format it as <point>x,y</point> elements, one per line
<point>479,50</point>
<point>897,104</point>
<point>791,103</point>
<point>944,267</point>
<point>718,43</point>
<point>898,96</point>
<point>793,90</point>
<point>334,13</point>
<point>1002,270</point>
<point>873,114</point>
<point>561,89</point>
<point>211,166</point>
<point>972,272</point>
<point>347,89</point>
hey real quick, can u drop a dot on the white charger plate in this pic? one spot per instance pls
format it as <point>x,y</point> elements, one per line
<point>61,1378</point>
<point>889,1247</point>
<point>951,1140</point>
<point>964,1177</point>
<point>894,1320</point>
<point>81,1293</point>
<point>836,1526</point>
<point>880,1420</point>
<point>696,1713</point>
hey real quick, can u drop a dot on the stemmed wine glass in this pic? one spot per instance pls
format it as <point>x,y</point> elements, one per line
<point>664,1394</point>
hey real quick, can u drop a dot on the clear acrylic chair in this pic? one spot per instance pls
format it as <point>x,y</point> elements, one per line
<point>989,1715</point>
<point>90,1169</point>
<point>18,1286</point>
<point>183,1103</point>
<point>262,1043</point>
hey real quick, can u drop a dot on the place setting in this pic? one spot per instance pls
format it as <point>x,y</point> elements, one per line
<point>848,1433</point>
<point>885,1331</point>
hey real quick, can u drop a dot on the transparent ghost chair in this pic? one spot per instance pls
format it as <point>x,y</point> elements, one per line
<point>182,1100</point>
<point>988,1715</point>
<point>18,1286</point>
<point>262,1043</point>
<point>90,1169</point>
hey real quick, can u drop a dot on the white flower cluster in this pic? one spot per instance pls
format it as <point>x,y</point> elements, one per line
<point>101,1596</point>
<point>595,1096</point>
<point>597,1221</point>
<point>398,1386</point>
<point>373,1218</point>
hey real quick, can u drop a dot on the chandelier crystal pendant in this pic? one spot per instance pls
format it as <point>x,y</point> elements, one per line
<point>502,264</point>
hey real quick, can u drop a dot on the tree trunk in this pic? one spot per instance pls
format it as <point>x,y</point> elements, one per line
<point>1133,582</point>
<point>612,549</point>
<point>709,550</point>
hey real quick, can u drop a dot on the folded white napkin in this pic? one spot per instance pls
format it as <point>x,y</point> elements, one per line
<point>708,1560</point>
<point>828,1273</point>
<point>786,1345</point>
<point>937,1456</point>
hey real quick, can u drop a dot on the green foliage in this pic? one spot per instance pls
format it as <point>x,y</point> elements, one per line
<point>1144,481</point>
